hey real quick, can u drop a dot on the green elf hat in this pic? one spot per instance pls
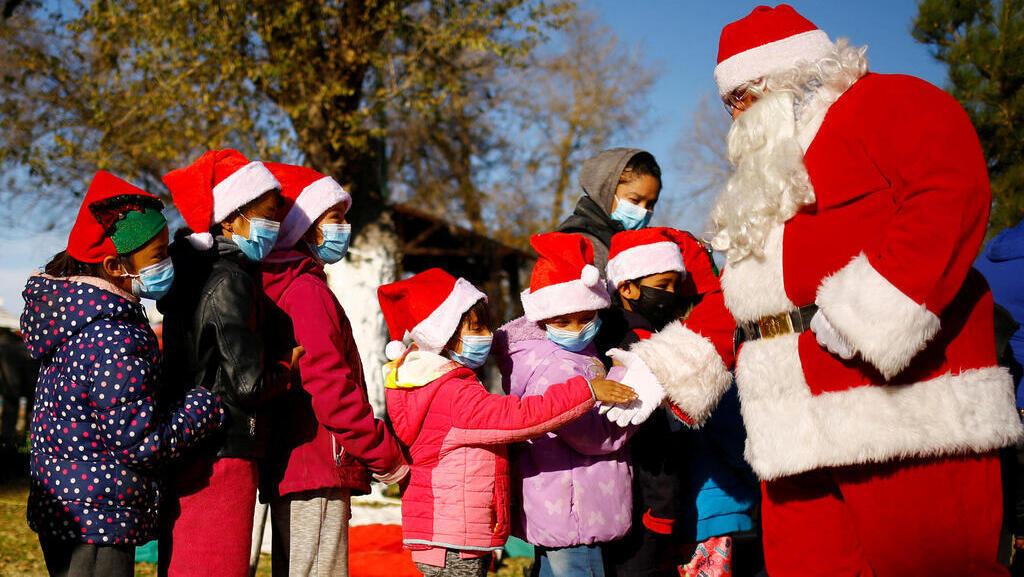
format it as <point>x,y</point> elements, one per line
<point>116,218</point>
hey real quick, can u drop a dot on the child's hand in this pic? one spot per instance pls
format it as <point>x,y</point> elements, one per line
<point>607,391</point>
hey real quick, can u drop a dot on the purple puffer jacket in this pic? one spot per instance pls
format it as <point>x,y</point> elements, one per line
<point>573,485</point>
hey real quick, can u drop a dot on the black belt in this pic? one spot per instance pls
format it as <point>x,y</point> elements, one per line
<point>796,321</point>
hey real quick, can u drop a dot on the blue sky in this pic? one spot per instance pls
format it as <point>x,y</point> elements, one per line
<point>681,38</point>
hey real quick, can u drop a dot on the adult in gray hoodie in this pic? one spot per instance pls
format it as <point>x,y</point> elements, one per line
<point>611,176</point>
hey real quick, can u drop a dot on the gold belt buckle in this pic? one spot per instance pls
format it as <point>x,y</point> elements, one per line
<point>775,325</point>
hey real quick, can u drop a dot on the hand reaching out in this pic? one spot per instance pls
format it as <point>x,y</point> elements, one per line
<point>606,391</point>
<point>649,392</point>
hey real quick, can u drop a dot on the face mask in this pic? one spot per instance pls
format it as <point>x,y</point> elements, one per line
<point>262,236</point>
<point>658,306</point>
<point>574,341</point>
<point>153,281</point>
<point>335,244</point>
<point>631,216</point>
<point>475,349</point>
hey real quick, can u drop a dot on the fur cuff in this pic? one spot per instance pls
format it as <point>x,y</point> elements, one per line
<point>688,367</point>
<point>885,326</point>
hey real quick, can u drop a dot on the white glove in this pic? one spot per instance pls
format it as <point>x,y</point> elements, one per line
<point>829,338</point>
<point>649,392</point>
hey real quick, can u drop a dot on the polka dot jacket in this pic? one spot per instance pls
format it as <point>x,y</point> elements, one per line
<point>98,436</point>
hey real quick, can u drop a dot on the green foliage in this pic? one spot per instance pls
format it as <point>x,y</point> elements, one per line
<point>982,43</point>
<point>141,87</point>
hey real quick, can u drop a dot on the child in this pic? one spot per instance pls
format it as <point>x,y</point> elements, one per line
<point>573,484</point>
<point>620,188</point>
<point>455,511</point>
<point>660,275</point>
<point>98,433</point>
<point>214,335</point>
<point>325,434</point>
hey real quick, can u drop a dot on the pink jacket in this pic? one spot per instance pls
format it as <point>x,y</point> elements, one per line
<point>324,434</point>
<point>455,432</point>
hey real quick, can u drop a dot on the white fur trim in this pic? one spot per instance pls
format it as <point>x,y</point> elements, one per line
<point>313,201</point>
<point>887,327</point>
<point>643,260</point>
<point>688,367</point>
<point>790,431</point>
<point>753,287</point>
<point>434,332</point>
<point>772,57</point>
<point>564,298</point>
<point>200,240</point>
<point>242,186</point>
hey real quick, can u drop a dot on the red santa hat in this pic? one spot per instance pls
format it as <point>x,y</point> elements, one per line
<point>107,199</point>
<point>638,253</point>
<point>310,194</point>
<point>564,280</point>
<point>218,183</point>
<point>427,308</point>
<point>766,41</point>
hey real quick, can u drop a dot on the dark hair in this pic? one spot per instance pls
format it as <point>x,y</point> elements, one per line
<point>483,315</point>
<point>64,265</point>
<point>642,164</point>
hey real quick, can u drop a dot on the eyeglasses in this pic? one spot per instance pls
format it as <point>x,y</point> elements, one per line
<point>740,99</point>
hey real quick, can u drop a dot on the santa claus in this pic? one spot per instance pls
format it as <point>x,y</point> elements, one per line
<point>866,364</point>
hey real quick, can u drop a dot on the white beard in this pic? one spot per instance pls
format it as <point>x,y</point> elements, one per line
<point>770,183</point>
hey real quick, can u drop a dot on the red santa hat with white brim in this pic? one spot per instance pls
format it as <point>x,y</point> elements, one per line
<point>766,41</point>
<point>564,280</point>
<point>218,183</point>
<point>426,308</point>
<point>638,253</point>
<point>310,193</point>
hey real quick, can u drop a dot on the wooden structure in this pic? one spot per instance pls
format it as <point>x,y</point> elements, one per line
<point>496,268</point>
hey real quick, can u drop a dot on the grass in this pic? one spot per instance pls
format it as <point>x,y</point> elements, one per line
<point>19,547</point>
<point>20,553</point>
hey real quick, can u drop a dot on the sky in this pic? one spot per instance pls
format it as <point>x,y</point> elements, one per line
<point>680,38</point>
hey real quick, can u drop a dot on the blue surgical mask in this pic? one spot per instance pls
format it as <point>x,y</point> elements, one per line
<point>475,349</point>
<point>632,216</point>
<point>153,281</point>
<point>335,244</point>
<point>574,341</point>
<point>262,236</point>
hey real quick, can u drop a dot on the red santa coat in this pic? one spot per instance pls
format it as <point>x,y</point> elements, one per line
<point>902,202</point>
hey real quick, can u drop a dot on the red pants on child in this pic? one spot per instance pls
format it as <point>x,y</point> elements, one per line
<point>212,519</point>
<point>929,517</point>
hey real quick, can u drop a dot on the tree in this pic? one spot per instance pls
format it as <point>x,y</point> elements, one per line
<point>139,88</point>
<point>579,96</point>
<point>702,159</point>
<point>982,43</point>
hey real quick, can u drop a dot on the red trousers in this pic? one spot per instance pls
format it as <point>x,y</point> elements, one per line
<point>212,519</point>
<point>928,517</point>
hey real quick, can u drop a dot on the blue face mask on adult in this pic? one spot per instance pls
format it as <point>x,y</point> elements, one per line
<point>153,281</point>
<point>475,349</point>
<point>571,340</point>
<point>262,236</point>
<point>335,243</point>
<point>632,216</point>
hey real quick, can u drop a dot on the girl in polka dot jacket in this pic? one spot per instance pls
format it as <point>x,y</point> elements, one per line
<point>98,433</point>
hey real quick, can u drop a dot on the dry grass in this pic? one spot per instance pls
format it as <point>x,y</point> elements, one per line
<point>20,554</point>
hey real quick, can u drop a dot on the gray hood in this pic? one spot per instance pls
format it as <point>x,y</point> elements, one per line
<point>600,174</point>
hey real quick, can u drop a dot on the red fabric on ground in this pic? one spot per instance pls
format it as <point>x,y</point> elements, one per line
<point>376,551</point>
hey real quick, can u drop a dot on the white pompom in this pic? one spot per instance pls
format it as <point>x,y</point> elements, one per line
<point>394,350</point>
<point>201,240</point>
<point>590,275</point>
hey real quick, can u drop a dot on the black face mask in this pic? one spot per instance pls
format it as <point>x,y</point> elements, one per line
<point>658,306</point>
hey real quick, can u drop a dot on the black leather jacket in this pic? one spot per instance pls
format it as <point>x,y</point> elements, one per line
<point>213,336</point>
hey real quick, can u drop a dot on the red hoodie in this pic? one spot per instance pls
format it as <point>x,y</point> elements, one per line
<point>324,434</point>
